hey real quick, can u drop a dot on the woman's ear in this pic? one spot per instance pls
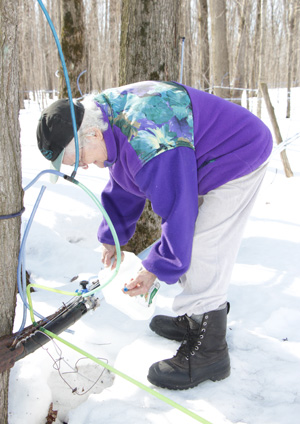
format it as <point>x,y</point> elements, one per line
<point>98,133</point>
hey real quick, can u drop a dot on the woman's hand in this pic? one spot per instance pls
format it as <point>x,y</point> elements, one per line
<point>141,284</point>
<point>109,255</point>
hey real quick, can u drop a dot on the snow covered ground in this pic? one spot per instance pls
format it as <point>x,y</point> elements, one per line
<point>263,324</point>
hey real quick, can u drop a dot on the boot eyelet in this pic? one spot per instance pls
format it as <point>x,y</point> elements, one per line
<point>206,317</point>
<point>187,358</point>
<point>205,323</point>
<point>196,347</point>
<point>203,330</point>
<point>199,343</point>
<point>201,336</point>
<point>192,353</point>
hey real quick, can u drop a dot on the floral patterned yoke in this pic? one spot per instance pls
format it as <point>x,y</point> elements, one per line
<point>154,116</point>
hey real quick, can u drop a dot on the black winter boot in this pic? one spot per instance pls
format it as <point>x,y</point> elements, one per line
<point>203,355</point>
<point>169,327</point>
<point>172,328</point>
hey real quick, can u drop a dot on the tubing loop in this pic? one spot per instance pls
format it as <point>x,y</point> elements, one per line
<point>13,215</point>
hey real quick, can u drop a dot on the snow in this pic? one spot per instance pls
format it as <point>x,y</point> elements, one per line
<point>263,324</point>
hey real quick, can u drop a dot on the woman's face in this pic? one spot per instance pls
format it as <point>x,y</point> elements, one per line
<point>93,152</point>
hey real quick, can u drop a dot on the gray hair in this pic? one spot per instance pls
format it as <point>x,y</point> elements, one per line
<point>92,118</point>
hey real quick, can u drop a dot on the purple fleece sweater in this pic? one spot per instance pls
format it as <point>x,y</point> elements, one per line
<point>229,142</point>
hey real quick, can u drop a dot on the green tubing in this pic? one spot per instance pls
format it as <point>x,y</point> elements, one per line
<point>30,304</point>
<point>107,366</point>
<point>118,251</point>
<point>86,354</point>
<point>128,378</point>
<point>113,232</point>
<point>116,241</point>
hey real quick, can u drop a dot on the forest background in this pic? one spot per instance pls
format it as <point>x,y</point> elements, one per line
<point>262,43</point>
<point>225,47</point>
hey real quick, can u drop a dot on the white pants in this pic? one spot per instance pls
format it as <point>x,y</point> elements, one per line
<point>222,216</point>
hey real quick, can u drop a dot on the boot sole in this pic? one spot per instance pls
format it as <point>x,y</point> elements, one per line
<point>213,376</point>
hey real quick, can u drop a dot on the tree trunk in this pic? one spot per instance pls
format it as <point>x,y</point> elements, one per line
<point>220,58</point>
<point>238,72</point>
<point>10,178</point>
<point>186,48</point>
<point>149,50</point>
<point>291,28</point>
<point>93,48</point>
<point>73,45</point>
<point>114,22</point>
<point>204,45</point>
<point>296,55</point>
<point>286,165</point>
<point>254,73</point>
<point>262,54</point>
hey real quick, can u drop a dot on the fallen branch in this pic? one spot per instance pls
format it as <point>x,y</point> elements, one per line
<point>264,89</point>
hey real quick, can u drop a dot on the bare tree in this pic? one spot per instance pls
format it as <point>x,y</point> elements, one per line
<point>149,51</point>
<point>149,46</point>
<point>186,45</point>
<point>26,44</point>
<point>296,56</point>
<point>234,51</point>
<point>238,60</point>
<point>252,52</point>
<point>291,34</point>
<point>286,165</point>
<point>10,178</point>
<point>93,46</point>
<point>220,58</point>
<point>204,45</point>
<point>262,53</point>
<point>114,25</point>
<point>73,43</point>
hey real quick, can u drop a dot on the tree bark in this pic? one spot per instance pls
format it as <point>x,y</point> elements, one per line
<point>262,54</point>
<point>286,165</point>
<point>291,30</point>
<point>204,45</point>
<point>149,50</point>
<point>238,72</point>
<point>114,21</point>
<point>220,58</point>
<point>73,45</point>
<point>253,84</point>
<point>10,177</point>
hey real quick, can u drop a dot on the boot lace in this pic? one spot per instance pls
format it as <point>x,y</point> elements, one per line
<point>192,342</point>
